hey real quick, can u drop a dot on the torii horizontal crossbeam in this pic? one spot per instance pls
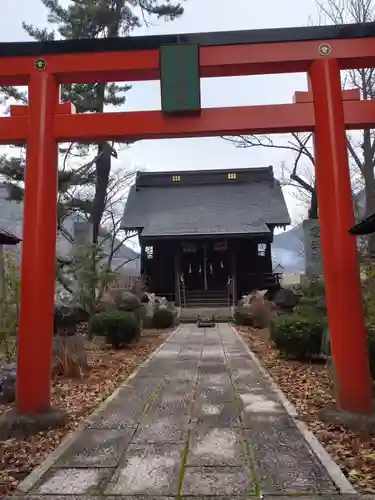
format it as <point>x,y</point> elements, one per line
<point>133,126</point>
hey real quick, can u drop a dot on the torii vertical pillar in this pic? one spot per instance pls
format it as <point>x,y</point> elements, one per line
<point>336,214</point>
<point>39,249</point>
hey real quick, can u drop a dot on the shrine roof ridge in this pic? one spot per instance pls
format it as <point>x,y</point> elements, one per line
<point>195,203</point>
<point>154,42</point>
<point>213,176</point>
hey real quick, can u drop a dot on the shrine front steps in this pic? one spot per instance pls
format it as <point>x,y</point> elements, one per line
<point>221,314</point>
<point>197,299</point>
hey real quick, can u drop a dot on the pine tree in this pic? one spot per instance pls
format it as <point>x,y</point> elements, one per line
<point>86,19</point>
<point>84,184</point>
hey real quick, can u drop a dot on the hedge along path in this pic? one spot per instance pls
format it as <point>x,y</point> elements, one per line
<point>200,419</point>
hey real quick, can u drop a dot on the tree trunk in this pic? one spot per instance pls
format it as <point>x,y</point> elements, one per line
<point>313,210</point>
<point>368,174</point>
<point>103,169</point>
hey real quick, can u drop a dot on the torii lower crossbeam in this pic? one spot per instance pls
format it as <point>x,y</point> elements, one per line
<point>134,126</point>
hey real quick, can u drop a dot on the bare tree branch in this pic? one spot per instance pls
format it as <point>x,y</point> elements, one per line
<point>362,151</point>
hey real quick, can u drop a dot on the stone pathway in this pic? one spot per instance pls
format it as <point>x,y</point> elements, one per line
<point>200,420</point>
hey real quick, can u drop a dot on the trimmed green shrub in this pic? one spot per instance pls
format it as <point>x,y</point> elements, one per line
<point>314,288</point>
<point>148,322</point>
<point>120,328</point>
<point>163,318</point>
<point>305,310</point>
<point>308,301</point>
<point>243,316</point>
<point>297,336</point>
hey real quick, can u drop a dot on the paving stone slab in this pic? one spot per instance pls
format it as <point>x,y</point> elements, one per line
<point>213,348</point>
<point>191,348</point>
<point>190,354</point>
<point>250,383</point>
<point>113,418</point>
<point>165,429</point>
<point>209,360</point>
<point>217,481</point>
<point>216,447</point>
<point>185,389</point>
<point>182,374</point>
<point>172,349</point>
<point>148,470</point>
<point>190,380</point>
<point>96,448</point>
<point>215,396</point>
<point>212,368</point>
<point>262,420</point>
<point>173,343</point>
<point>187,362</point>
<point>73,481</point>
<point>181,406</point>
<point>124,411</point>
<point>140,389</point>
<point>175,393</point>
<point>284,463</point>
<point>254,403</point>
<point>216,415</point>
<point>166,356</point>
<point>241,364</point>
<point>237,362</point>
<point>212,354</point>
<point>245,372</point>
<point>215,381</point>
<point>151,372</point>
<point>235,350</point>
<point>253,386</point>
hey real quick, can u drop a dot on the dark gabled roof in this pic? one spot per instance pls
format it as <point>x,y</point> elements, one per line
<point>364,226</point>
<point>186,203</point>
<point>7,238</point>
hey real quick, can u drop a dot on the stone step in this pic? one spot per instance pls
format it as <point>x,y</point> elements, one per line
<point>208,300</point>
<point>221,314</point>
<point>216,293</point>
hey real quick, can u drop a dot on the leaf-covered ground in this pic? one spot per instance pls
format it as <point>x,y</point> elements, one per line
<point>310,387</point>
<point>79,397</point>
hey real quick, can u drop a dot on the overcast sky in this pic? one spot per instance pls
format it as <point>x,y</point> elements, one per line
<point>201,15</point>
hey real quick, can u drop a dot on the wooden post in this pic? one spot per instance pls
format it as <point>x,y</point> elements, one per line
<point>234,277</point>
<point>341,270</point>
<point>205,266</point>
<point>143,260</point>
<point>177,286</point>
<point>38,269</point>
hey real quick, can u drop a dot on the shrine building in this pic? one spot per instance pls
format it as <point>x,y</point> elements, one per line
<point>206,235</point>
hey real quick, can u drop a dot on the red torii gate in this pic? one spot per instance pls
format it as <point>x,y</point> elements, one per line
<point>320,51</point>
